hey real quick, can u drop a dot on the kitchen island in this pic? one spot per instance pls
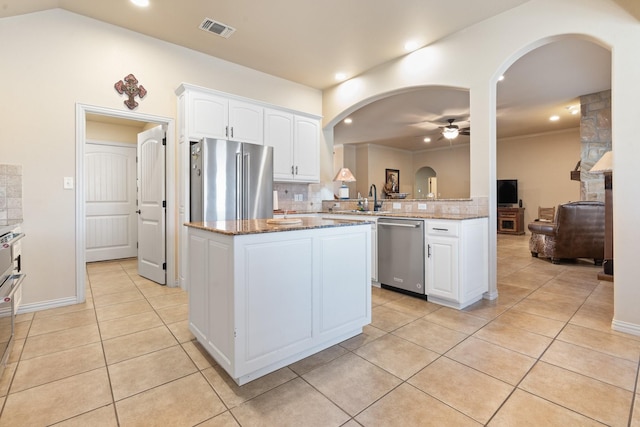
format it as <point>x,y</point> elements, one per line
<point>264,294</point>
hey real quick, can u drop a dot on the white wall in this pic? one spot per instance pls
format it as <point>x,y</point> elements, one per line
<point>54,59</point>
<point>488,49</point>
<point>451,166</point>
<point>542,165</point>
<point>377,159</point>
<point>112,132</point>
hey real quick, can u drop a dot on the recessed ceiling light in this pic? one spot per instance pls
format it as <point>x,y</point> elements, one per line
<point>554,118</point>
<point>340,76</point>
<point>573,109</point>
<point>411,45</point>
<point>141,3</point>
<point>348,120</point>
<point>427,139</point>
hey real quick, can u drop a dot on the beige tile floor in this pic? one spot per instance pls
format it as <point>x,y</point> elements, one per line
<point>542,354</point>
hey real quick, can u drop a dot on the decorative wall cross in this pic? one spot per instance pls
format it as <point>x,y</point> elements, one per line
<point>130,87</point>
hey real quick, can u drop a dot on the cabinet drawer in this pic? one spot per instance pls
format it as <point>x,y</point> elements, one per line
<point>443,228</point>
<point>508,214</point>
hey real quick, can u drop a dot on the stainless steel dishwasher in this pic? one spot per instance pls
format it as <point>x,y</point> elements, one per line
<point>401,254</point>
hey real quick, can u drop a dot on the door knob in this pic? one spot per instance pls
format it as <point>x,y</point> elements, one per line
<point>138,211</point>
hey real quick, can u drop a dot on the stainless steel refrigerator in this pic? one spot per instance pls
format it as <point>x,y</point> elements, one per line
<point>230,180</point>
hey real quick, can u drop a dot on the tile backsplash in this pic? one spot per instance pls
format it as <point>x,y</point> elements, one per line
<point>10,194</point>
<point>302,197</point>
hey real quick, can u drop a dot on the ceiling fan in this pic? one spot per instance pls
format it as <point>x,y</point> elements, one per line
<point>452,131</point>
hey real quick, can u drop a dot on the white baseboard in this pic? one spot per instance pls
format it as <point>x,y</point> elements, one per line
<point>490,295</point>
<point>627,328</point>
<point>45,305</point>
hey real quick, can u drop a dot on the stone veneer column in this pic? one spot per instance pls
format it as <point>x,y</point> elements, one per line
<point>595,138</point>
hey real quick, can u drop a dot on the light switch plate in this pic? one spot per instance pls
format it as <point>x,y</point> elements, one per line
<point>397,206</point>
<point>68,183</point>
<point>422,206</point>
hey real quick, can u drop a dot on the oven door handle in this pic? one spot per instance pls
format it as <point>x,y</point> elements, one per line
<point>9,295</point>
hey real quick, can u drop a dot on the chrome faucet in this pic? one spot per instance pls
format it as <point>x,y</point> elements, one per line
<point>375,196</point>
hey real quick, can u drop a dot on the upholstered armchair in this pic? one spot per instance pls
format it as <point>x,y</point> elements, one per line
<point>577,231</point>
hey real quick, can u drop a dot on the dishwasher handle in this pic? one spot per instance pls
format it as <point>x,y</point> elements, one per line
<point>396,224</point>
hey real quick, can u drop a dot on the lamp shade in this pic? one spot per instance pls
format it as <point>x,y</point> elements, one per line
<point>344,175</point>
<point>605,164</point>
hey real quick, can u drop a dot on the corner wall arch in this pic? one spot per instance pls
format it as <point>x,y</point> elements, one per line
<point>483,53</point>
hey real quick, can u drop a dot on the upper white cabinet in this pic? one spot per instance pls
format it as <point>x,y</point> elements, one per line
<point>246,122</point>
<point>213,116</point>
<point>296,143</point>
<point>306,149</point>
<point>207,116</point>
<point>278,133</point>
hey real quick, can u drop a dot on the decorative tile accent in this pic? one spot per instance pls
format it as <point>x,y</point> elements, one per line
<point>10,194</point>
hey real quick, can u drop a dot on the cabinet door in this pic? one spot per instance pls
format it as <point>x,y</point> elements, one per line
<point>246,122</point>
<point>208,116</point>
<point>374,253</point>
<point>442,267</point>
<point>278,133</point>
<point>198,318</point>
<point>306,149</point>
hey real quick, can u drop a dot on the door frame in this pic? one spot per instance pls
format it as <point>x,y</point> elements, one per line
<point>170,188</point>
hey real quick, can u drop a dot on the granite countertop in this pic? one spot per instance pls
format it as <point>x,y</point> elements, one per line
<point>257,226</point>
<point>398,214</point>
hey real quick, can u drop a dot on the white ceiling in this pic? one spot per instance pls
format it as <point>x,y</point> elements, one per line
<point>305,41</point>
<point>309,41</point>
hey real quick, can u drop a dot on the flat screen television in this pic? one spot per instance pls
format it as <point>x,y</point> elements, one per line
<point>507,192</point>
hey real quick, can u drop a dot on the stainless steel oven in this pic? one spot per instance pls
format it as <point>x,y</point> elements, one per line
<point>10,282</point>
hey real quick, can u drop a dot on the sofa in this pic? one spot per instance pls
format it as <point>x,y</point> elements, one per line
<point>577,231</point>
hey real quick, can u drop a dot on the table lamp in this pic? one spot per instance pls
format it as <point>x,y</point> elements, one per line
<point>344,175</point>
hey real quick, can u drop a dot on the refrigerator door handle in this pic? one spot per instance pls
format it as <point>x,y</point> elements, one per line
<point>239,190</point>
<point>246,196</point>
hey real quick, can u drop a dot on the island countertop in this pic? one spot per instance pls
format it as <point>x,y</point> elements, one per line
<point>256,226</point>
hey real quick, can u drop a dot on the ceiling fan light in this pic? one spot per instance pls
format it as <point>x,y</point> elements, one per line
<point>450,133</point>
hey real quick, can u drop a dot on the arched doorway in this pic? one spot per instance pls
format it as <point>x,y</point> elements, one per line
<point>426,183</point>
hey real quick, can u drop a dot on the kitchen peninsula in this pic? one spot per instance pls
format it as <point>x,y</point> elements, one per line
<point>266,293</point>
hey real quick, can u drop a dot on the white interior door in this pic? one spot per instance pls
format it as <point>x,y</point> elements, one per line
<point>151,209</point>
<point>110,185</point>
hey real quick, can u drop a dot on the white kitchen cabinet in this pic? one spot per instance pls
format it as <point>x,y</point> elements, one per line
<point>442,267</point>
<point>374,252</point>
<point>209,115</point>
<point>306,149</point>
<point>278,133</point>
<point>374,235</point>
<point>258,302</point>
<point>296,145</point>
<point>457,263</point>
<point>246,122</point>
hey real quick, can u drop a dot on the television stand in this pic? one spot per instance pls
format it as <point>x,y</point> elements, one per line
<point>510,220</point>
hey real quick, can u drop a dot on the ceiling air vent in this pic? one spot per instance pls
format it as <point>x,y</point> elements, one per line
<point>216,27</point>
